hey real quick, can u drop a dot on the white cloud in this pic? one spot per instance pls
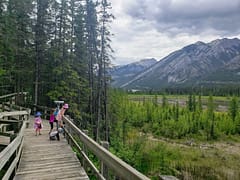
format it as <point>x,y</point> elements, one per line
<point>155,28</point>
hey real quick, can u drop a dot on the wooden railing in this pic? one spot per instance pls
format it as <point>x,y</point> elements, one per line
<point>109,162</point>
<point>12,152</point>
<point>19,119</point>
<point>14,98</point>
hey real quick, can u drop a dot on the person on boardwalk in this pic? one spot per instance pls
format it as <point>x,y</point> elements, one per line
<point>60,115</point>
<point>51,120</point>
<point>55,113</point>
<point>38,123</point>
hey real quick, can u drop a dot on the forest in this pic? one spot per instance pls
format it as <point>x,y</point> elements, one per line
<point>58,50</point>
<point>61,50</point>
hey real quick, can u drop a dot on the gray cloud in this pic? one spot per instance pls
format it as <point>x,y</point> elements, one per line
<point>155,28</point>
<point>187,16</point>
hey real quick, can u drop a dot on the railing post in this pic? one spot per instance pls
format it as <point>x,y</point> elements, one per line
<point>3,106</point>
<point>13,100</point>
<point>11,103</point>
<point>104,168</point>
<point>45,114</point>
<point>70,132</point>
<point>25,99</point>
<point>27,118</point>
<point>20,121</point>
<point>85,131</point>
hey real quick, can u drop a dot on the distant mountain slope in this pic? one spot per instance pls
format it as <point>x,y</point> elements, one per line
<point>196,63</point>
<point>229,73</point>
<point>124,73</point>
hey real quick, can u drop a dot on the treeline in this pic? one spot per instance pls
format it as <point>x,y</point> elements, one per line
<point>58,50</point>
<point>137,124</point>
<point>205,90</point>
<point>158,117</point>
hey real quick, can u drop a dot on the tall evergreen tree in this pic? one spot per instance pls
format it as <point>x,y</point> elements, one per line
<point>92,54</point>
<point>41,39</point>
<point>80,62</point>
<point>233,108</point>
<point>199,104</point>
<point>103,64</point>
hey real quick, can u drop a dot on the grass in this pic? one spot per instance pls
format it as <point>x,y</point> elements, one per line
<point>202,160</point>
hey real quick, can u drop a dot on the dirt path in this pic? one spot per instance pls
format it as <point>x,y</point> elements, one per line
<point>226,147</point>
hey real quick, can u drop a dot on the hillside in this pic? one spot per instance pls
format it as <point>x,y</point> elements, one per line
<point>124,73</point>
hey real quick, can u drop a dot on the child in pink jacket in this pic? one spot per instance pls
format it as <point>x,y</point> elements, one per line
<point>60,114</point>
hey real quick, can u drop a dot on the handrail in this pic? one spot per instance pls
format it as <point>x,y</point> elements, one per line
<point>92,166</point>
<point>13,150</point>
<point>122,169</point>
<point>13,113</point>
<point>14,147</point>
<point>12,94</point>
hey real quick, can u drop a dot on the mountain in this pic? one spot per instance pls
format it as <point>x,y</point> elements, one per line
<point>199,63</point>
<point>124,73</point>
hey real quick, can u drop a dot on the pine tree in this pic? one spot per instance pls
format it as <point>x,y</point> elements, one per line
<point>164,101</point>
<point>91,24</point>
<point>103,63</point>
<point>80,62</point>
<point>233,108</point>
<point>40,44</point>
<point>210,119</point>
<point>199,104</point>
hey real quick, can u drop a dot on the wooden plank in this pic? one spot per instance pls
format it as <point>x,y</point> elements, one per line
<point>5,134</point>
<point>12,95</point>
<point>8,95</point>
<point>4,121</point>
<point>13,113</point>
<point>4,140</point>
<point>45,159</point>
<point>14,107</point>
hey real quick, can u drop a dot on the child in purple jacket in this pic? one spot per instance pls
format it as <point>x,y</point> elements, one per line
<point>38,123</point>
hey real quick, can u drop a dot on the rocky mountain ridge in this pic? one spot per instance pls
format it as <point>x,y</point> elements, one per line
<point>193,64</point>
<point>123,73</point>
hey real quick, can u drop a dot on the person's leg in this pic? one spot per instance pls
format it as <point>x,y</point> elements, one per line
<point>57,124</point>
<point>51,127</point>
<point>58,137</point>
<point>63,131</point>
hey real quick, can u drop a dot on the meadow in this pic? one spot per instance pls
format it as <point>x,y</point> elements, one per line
<point>186,136</point>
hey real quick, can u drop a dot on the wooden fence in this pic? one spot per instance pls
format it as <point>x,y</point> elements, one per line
<point>119,168</point>
<point>18,117</point>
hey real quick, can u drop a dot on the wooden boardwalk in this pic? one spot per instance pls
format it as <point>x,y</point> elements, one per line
<point>44,159</point>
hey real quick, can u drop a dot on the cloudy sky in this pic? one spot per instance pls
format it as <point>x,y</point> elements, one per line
<point>155,28</point>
